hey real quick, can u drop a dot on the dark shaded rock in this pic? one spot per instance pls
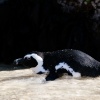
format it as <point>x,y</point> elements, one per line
<point>47,25</point>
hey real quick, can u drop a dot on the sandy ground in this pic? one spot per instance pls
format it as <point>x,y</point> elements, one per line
<point>25,85</point>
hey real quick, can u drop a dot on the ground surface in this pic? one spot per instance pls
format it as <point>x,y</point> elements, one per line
<point>24,85</point>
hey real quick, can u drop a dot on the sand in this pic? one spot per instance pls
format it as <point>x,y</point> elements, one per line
<point>23,84</point>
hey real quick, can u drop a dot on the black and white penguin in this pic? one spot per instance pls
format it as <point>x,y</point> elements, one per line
<point>73,62</point>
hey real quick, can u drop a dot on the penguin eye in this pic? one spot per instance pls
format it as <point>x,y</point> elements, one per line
<point>28,58</point>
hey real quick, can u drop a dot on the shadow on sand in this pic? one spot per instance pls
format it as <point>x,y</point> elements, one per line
<point>8,67</point>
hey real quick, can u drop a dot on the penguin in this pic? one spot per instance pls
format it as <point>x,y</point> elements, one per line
<point>73,62</point>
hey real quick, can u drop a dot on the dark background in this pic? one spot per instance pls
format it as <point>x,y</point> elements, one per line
<point>47,25</point>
